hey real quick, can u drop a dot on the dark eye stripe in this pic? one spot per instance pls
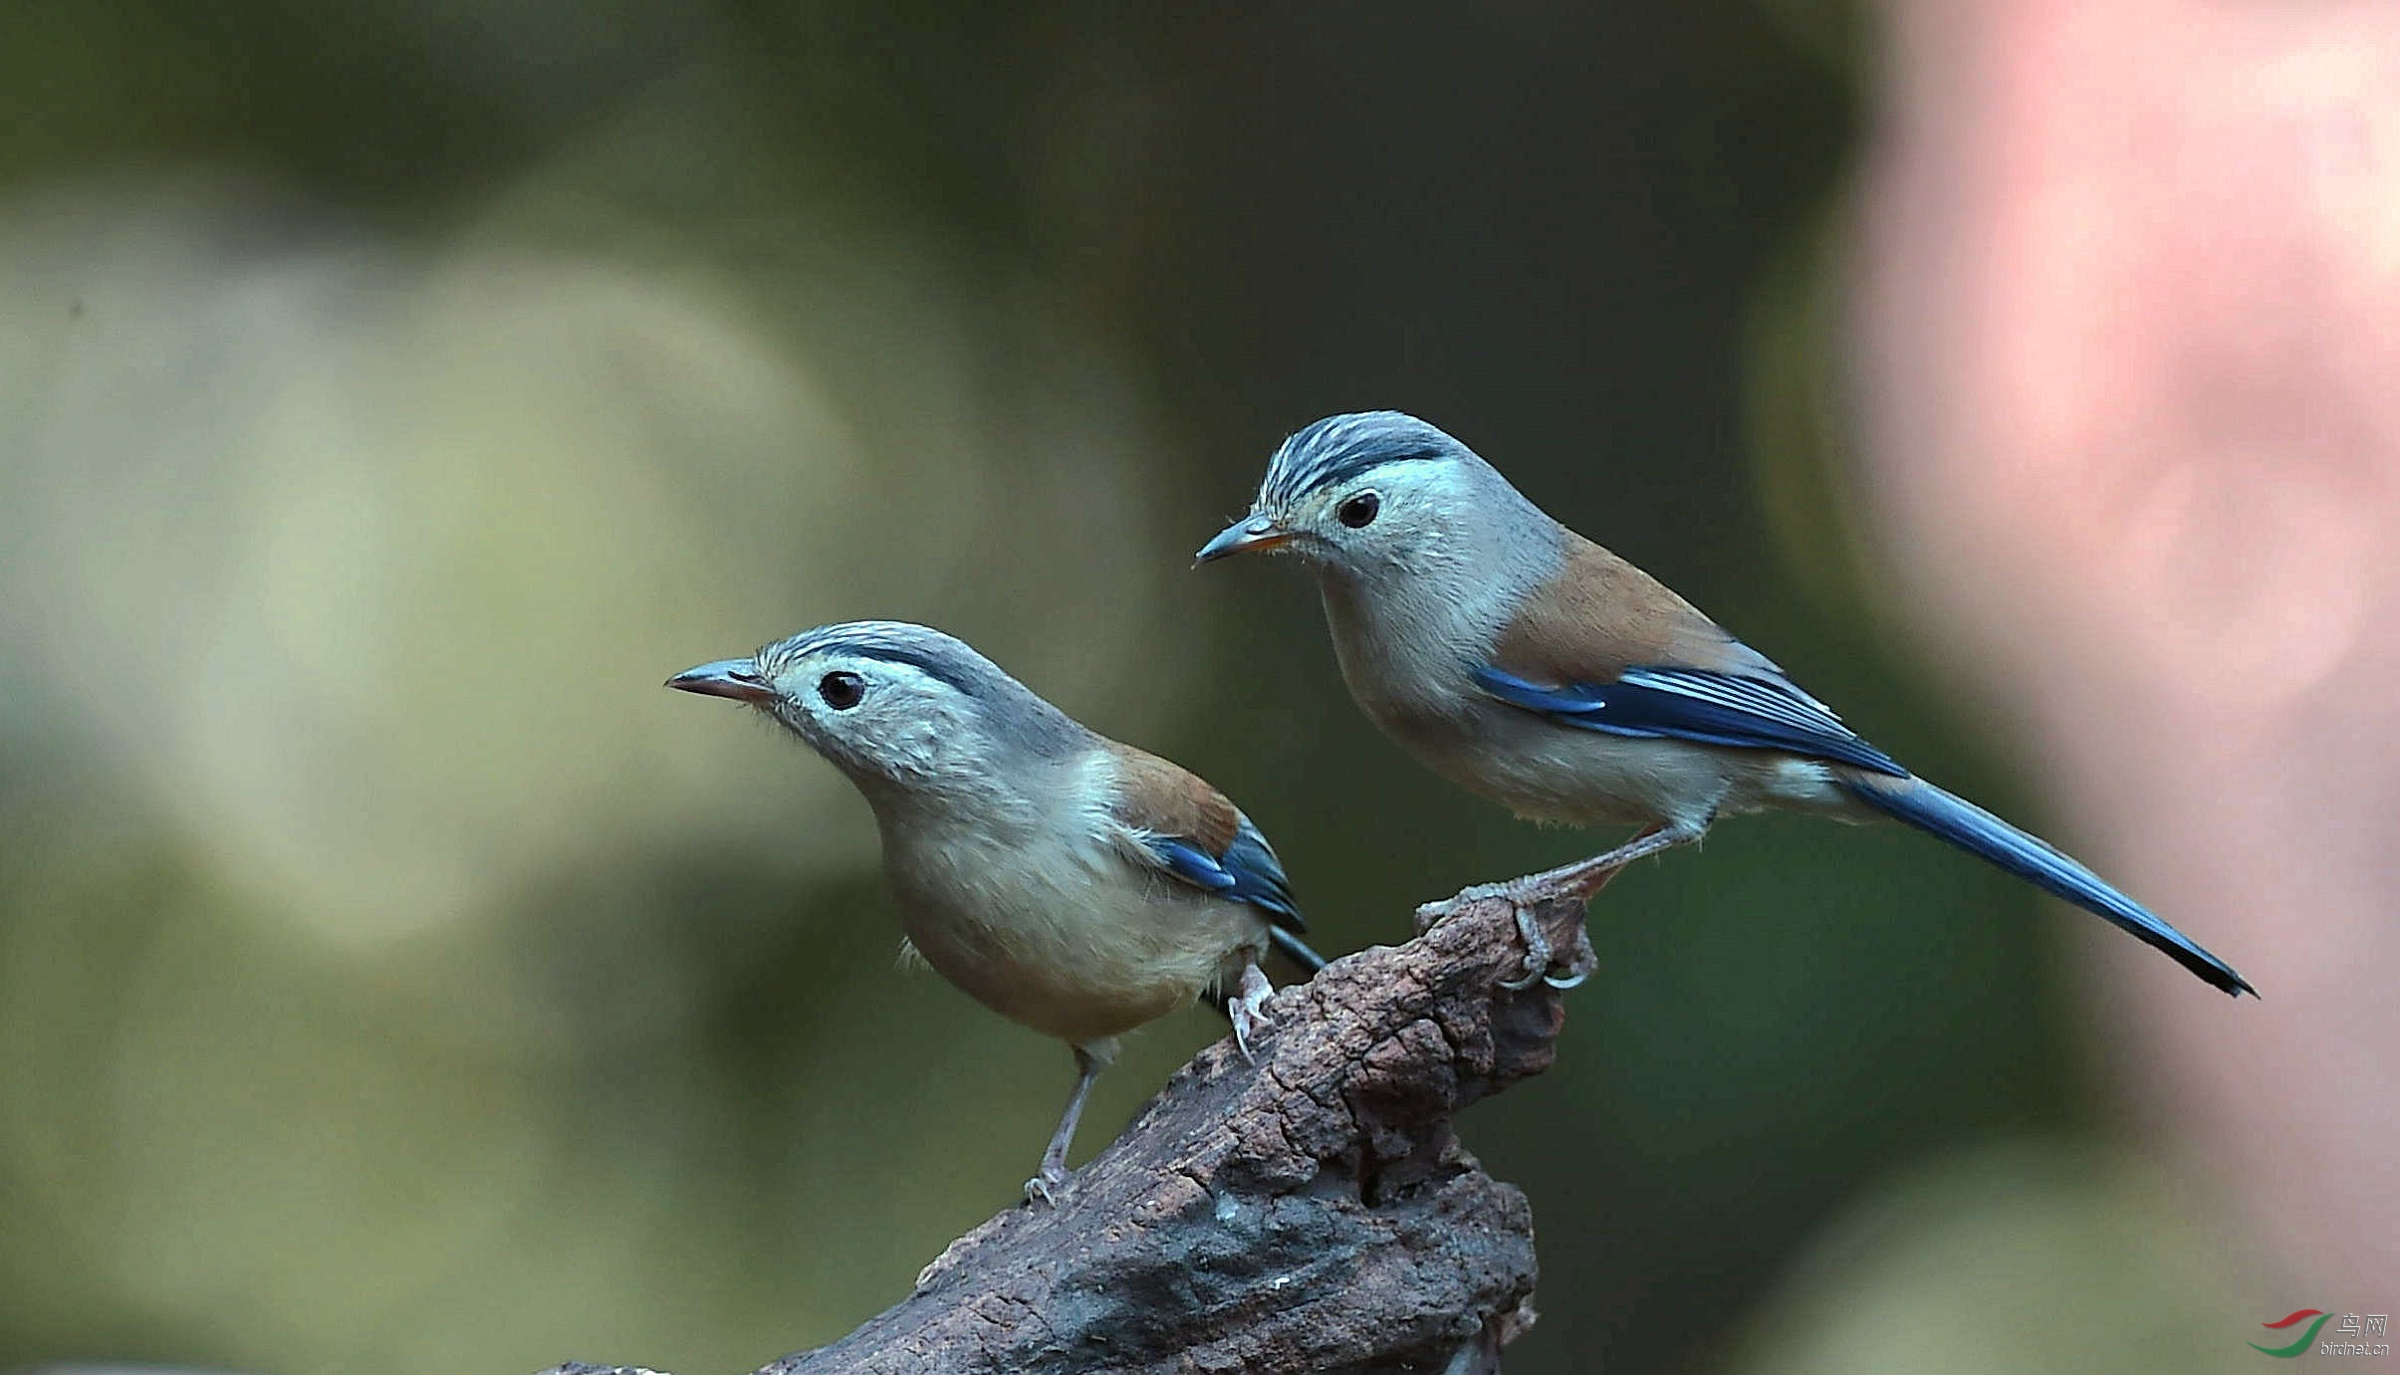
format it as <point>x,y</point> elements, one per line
<point>923,663</point>
<point>1318,477</point>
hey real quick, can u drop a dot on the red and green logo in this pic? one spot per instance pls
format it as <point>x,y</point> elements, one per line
<point>2314,1317</point>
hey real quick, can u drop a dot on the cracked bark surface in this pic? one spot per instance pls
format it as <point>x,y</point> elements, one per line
<point>1310,1213</point>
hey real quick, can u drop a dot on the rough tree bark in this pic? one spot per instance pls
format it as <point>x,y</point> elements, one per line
<point>1310,1213</point>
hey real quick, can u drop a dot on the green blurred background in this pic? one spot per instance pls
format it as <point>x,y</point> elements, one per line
<point>394,979</point>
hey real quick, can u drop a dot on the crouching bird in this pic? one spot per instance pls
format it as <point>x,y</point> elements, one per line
<point>1067,882</point>
<point>1530,665</point>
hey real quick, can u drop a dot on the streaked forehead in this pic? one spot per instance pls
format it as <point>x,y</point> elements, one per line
<point>1339,448</point>
<point>1010,713</point>
<point>929,651</point>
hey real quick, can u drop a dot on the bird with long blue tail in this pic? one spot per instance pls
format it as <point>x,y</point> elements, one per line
<point>1529,665</point>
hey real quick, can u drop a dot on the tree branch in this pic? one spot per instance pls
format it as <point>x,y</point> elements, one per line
<point>1314,1213</point>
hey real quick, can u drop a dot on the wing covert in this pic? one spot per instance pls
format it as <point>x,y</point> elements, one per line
<point>1709,708</point>
<point>1195,834</point>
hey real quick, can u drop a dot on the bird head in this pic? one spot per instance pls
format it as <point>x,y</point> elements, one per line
<point>893,705</point>
<point>1360,492</point>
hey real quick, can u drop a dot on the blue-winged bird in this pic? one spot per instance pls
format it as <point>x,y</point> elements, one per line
<point>1530,665</point>
<point>1068,882</point>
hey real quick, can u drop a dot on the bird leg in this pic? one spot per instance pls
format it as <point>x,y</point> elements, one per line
<point>1586,877</point>
<point>1043,1188</point>
<point>1248,1007</point>
<point>1579,882</point>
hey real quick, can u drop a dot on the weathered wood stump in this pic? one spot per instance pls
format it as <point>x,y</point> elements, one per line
<point>1313,1212</point>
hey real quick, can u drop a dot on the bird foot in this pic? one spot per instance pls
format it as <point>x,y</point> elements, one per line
<point>1248,1009</point>
<point>1043,1189</point>
<point>1543,963</point>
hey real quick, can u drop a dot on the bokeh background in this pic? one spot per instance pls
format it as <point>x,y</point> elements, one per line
<point>393,978</point>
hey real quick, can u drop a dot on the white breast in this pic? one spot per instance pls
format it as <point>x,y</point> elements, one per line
<point>1046,922</point>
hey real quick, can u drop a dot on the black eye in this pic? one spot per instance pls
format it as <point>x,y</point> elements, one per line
<point>841,691</point>
<point>1359,511</point>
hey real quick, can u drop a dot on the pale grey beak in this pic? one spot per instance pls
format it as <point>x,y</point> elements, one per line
<point>738,679</point>
<point>1251,532</point>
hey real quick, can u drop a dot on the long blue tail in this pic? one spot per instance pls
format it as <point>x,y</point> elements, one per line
<point>2038,862</point>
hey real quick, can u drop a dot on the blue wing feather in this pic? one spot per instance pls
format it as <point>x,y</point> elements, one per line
<point>1697,705</point>
<point>1187,862</point>
<point>1248,872</point>
<point>1259,879</point>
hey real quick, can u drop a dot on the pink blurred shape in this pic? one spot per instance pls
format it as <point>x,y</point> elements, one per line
<point>2129,317</point>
